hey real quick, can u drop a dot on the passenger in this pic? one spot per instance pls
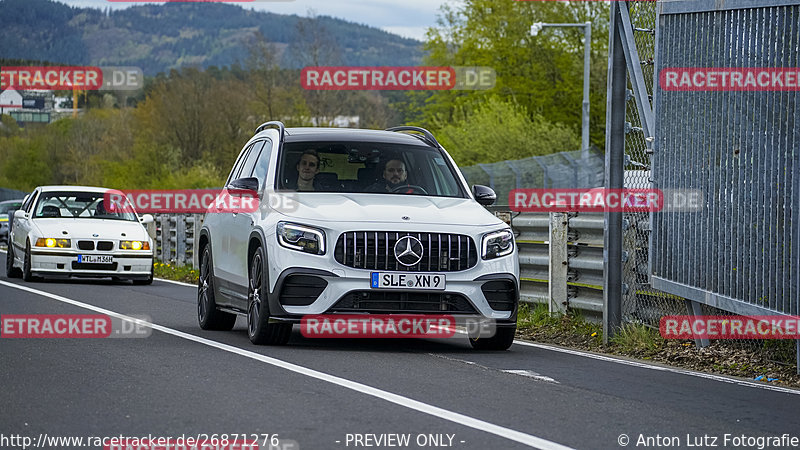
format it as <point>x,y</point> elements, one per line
<point>307,170</point>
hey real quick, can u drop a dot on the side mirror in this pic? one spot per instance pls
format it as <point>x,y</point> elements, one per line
<point>248,184</point>
<point>20,214</point>
<point>146,218</point>
<point>484,195</point>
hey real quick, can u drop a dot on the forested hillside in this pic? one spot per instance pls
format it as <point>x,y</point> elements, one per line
<point>158,38</point>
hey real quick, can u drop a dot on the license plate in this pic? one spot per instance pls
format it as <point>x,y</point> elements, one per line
<point>95,259</point>
<point>394,280</point>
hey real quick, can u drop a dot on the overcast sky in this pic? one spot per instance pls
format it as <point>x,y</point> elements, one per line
<point>408,18</point>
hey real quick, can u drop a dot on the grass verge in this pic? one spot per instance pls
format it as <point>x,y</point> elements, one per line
<point>168,271</point>
<point>755,360</point>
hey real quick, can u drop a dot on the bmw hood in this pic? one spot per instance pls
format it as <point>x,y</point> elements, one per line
<point>383,208</point>
<point>87,228</point>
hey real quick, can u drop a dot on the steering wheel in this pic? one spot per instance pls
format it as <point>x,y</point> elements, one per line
<point>410,189</point>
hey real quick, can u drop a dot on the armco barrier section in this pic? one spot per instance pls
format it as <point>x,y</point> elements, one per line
<point>174,236</point>
<point>561,260</point>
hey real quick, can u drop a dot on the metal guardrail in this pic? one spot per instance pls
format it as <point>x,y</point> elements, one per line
<point>174,237</point>
<point>561,260</point>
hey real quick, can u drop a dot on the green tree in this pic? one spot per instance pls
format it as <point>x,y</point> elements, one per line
<point>543,74</point>
<point>498,130</point>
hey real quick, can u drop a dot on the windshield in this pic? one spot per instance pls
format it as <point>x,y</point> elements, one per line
<point>81,205</point>
<point>367,167</point>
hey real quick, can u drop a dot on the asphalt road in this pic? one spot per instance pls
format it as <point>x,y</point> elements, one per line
<point>313,393</point>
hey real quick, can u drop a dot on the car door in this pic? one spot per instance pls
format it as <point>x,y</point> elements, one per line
<point>22,225</point>
<point>219,224</point>
<point>242,223</point>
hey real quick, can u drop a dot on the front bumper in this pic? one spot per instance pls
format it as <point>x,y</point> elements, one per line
<point>345,290</point>
<point>64,263</point>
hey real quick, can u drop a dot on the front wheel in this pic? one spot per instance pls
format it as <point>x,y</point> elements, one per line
<point>502,340</point>
<point>208,316</point>
<point>26,266</point>
<point>259,329</point>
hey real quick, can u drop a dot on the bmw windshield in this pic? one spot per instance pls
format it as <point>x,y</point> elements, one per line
<point>81,205</point>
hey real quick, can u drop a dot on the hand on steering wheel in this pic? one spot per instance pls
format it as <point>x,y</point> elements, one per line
<point>410,189</point>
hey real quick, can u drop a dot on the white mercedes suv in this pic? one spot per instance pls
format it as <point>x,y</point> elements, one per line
<point>355,221</point>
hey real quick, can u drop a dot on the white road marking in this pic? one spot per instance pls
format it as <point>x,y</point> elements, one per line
<point>524,373</point>
<point>461,419</point>
<point>180,283</point>
<point>532,374</point>
<point>626,362</point>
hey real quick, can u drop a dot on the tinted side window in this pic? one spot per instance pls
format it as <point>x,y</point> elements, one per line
<point>250,162</point>
<point>31,200</point>
<point>262,166</point>
<point>237,168</point>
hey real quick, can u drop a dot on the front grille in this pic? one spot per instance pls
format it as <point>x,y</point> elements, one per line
<point>374,250</point>
<point>501,294</point>
<point>403,302</point>
<point>301,290</point>
<point>86,245</point>
<point>105,245</point>
<point>88,266</point>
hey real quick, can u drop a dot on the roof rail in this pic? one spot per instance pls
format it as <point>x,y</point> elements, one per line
<point>276,124</point>
<point>427,136</point>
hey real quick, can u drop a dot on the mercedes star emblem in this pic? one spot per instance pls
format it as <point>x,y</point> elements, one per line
<point>408,250</point>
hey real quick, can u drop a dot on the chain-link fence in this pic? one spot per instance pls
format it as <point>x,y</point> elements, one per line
<point>557,170</point>
<point>640,302</point>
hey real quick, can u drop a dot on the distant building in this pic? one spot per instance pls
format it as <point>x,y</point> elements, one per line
<point>10,100</point>
<point>27,106</point>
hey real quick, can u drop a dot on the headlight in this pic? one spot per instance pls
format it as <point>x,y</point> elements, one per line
<point>497,244</point>
<point>134,245</point>
<point>301,238</point>
<point>53,243</point>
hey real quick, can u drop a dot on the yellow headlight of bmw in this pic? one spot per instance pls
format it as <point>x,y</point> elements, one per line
<point>53,243</point>
<point>134,245</point>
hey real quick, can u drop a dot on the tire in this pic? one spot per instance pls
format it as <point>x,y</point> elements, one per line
<point>26,267</point>
<point>259,329</point>
<point>11,271</point>
<point>208,316</point>
<point>502,340</point>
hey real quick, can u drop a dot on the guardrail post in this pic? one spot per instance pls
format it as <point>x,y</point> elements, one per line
<point>151,231</point>
<point>166,241</point>
<point>180,239</point>
<point>557,286</point>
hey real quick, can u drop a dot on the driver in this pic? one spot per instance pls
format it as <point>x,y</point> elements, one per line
<point>394,176</point>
